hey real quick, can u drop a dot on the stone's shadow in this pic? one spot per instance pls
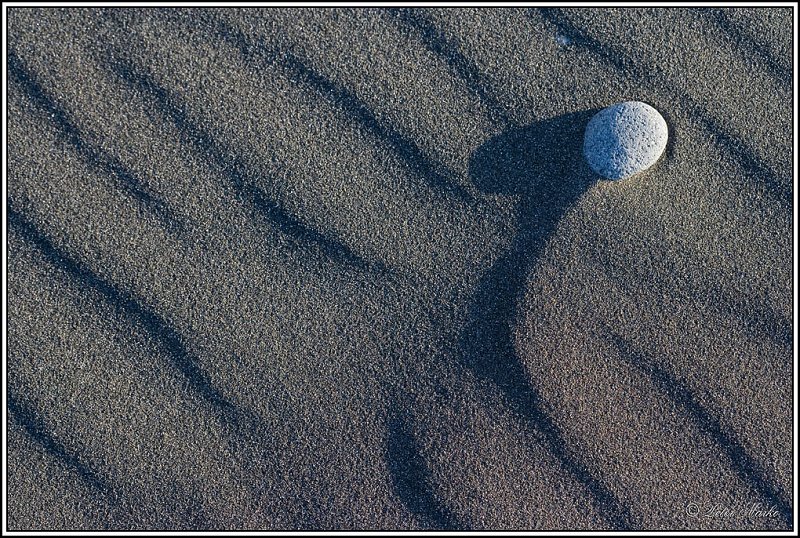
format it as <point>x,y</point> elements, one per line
<point>535,161</point>
<point>543,165</point>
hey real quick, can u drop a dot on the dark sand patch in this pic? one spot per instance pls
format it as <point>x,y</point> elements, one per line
<point>345,269</point>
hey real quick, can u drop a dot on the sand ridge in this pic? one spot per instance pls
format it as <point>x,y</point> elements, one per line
<point>346,269</point>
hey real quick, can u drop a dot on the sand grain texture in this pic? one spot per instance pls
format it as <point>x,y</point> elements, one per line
<point>347,269</point>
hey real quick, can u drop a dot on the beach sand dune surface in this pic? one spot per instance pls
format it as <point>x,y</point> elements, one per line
<point>347,269</point>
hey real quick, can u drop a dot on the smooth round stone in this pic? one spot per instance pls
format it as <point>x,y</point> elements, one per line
<point>624,139</point>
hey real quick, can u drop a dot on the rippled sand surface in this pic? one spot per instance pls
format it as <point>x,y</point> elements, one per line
<point>347,269</point>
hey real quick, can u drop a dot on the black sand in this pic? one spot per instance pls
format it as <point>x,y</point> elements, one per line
<point>346,269</point>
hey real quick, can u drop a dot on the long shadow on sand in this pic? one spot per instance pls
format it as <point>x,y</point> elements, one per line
<point>411,478</point>
<point>542,165</point>
<point>243,425</point>
<point>749,46</point>
<point>416,21</point>
<point>749,470</point>
<point>91,154</point>
<point>34,426</point>
<point>233,168</point>
<point>261,53</point>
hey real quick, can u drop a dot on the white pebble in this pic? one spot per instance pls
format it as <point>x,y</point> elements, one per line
<point>624,139</point>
